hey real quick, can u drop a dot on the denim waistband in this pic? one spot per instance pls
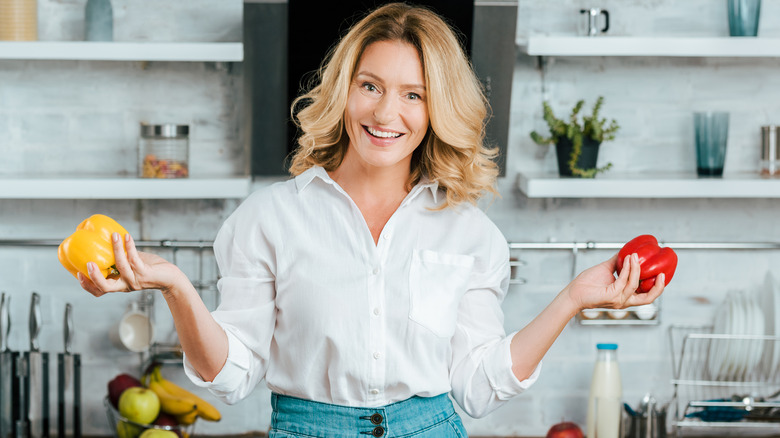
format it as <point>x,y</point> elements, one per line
<point>325,420</point>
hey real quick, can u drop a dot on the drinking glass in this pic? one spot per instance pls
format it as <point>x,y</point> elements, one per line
<point>743,17</point>
<point>712,131</point>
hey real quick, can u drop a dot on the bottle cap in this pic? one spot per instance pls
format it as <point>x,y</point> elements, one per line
<point>606,346</point>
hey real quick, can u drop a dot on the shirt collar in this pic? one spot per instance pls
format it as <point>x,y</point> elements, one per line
<point>303,180</point>
<point>423,184</point>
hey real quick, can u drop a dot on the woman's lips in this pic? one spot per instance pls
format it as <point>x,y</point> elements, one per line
<point>380,137</point>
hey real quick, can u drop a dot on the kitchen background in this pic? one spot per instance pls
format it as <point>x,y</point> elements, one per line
<point>67,118</point>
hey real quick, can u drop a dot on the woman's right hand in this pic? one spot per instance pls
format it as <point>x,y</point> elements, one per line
<point>137,270</point>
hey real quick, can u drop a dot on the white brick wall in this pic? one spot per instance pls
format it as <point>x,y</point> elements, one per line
<point>73,117</point>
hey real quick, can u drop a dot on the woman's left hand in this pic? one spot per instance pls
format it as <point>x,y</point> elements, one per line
<point>597,286</point>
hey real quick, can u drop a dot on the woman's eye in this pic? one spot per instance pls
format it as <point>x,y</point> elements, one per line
<point>413,96</point>
<point>369,87</point>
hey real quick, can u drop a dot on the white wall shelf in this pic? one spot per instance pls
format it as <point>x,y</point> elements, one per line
<point>651,46</point>
<point>121,51</point>
<point>124,188</point>
<point>683,185</point>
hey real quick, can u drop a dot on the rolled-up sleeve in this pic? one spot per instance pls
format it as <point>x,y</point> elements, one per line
<point>481,373</point>
<point>245,255</point>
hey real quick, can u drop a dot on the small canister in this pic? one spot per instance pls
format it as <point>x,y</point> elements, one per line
<point>18,20</point>
<point>163,151</point>
<point>770,151</point>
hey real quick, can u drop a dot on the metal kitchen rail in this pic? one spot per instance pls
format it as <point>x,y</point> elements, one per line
<point>572,246</point>
<point>724,381</point>
<point>173,245</point>
<point>633,316</point>
<point>165,243</point>
<point>515,262</point>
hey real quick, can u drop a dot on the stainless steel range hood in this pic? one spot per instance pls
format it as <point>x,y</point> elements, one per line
<point>266,79</point>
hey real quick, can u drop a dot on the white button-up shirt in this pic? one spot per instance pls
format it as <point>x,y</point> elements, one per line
<point>310,303</point>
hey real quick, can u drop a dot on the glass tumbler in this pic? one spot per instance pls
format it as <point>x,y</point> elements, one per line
<point>712,131</point>
<point>743,17</point>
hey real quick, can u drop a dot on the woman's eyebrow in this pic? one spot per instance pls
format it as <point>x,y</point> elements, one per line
<point>378,79</point>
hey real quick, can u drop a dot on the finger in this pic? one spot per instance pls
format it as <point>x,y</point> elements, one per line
<point>633,276</point>
<point>88,285</point>
<point>103,284</point>
<point>658,287</point>
<point>646,298</point>
<point>624,273</point>
<point>133,256</point>
<point>122,265</point>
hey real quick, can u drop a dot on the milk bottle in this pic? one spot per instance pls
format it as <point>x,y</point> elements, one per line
<point>606,393</point>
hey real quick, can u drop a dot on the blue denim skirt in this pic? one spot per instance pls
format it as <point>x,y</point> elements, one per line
<point>419,417</point>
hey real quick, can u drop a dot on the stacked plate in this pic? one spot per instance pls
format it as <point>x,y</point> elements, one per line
<point>739,354</point>
<point>770,303</point>
<point>18,20</point>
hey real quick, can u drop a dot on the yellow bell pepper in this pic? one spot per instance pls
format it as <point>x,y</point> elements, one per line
<point>91,243</point>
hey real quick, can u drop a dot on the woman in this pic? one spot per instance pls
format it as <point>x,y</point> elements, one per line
<point>369,287</point>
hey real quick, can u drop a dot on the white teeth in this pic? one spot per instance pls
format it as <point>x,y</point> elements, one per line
<point>383,134</point>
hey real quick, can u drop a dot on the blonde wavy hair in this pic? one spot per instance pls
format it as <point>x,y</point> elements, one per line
<point>452,153</point>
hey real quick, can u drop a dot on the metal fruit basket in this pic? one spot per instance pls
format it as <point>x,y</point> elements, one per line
<point>121,427</point>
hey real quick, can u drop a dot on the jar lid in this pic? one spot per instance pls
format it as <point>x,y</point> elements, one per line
<point>606,346</point>
<point>165,130</point>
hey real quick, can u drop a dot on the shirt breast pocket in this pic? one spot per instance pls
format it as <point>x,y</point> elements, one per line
<point>437,281</point>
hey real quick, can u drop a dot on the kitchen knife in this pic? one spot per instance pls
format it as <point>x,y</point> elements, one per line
<point>17,375</point>
<point>6,369</point>
<point>65,376</point>
<point>77,395</point>
<point>37,376</point>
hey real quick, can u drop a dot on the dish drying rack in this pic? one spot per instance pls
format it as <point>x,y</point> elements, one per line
<point>746,397</point>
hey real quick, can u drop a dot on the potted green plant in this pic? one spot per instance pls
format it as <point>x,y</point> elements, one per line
<point>577,142</point>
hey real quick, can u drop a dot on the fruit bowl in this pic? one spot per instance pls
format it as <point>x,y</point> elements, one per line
<point>124,428</point>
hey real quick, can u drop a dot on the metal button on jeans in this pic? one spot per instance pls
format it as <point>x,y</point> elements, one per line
<point>377,418</point>
<point>378,431</point>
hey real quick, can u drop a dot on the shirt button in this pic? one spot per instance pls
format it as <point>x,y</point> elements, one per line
<point>387,236</point>
<point>377,355</point>
<point>377,270</point>
<point>377,311</point>
<point>374,391</point>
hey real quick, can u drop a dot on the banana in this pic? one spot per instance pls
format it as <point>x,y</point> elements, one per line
<point>172,404</point>
<point>206,410</point>
<point>187,418</point>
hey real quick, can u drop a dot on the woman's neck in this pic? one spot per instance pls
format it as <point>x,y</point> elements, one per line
<point>363,181</point>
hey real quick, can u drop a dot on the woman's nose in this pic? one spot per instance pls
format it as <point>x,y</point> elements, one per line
<point>386,110</point>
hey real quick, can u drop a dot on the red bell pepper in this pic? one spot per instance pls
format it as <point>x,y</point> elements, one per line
<point>653,260</point>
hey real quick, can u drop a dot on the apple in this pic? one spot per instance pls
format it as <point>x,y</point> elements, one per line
<point>167,420</point>
<point>118,385</point>
<point>140,405</point>
<point>566,429</point>
<point>127,430</point>
<point>158,433</point>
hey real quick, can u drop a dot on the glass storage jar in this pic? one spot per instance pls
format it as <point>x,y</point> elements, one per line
<point>163,151</point>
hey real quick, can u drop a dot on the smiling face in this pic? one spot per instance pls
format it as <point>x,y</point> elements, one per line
<point>387,115</point>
